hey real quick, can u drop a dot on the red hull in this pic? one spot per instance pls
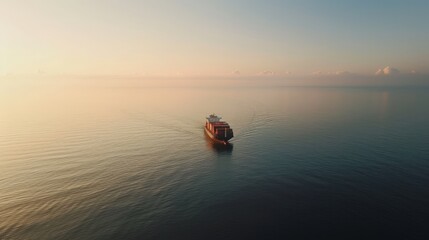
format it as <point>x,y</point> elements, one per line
<point>213,137</point>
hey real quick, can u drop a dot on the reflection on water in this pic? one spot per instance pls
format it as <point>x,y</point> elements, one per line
<point>218,147</point>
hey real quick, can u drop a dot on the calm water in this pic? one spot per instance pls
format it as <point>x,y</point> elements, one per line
<point>133,163</point>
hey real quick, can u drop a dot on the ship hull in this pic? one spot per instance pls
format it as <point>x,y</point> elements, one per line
<point>213,136</point>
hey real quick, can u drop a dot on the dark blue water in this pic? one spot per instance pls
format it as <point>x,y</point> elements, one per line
<point>306,163</point>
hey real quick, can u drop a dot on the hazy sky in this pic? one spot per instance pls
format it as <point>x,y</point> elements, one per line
<point>213,38</point>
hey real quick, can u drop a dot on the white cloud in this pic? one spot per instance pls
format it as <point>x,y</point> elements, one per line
<point>387,71</point>
<point>343,73</point>
<point>333,73</point>
<point>236,72</point>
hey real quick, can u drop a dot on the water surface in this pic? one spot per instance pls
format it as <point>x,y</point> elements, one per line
<point>134,163</point>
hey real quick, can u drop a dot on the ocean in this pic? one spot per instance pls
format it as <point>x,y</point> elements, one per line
<point>94,162</point>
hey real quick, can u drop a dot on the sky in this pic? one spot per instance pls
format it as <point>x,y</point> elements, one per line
<point>214,38</point>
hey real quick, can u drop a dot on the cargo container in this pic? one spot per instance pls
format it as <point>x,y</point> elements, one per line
<point>218,130</point>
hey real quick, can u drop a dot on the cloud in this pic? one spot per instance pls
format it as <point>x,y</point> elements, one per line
<point>235,72</point>
<point>339,73</point>
<point>387,71</point>
<point>269,73</point>
<point>343,73</point>
<point>330,73</point>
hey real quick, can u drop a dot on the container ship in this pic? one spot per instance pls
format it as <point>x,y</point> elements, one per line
<point>218,130</point>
